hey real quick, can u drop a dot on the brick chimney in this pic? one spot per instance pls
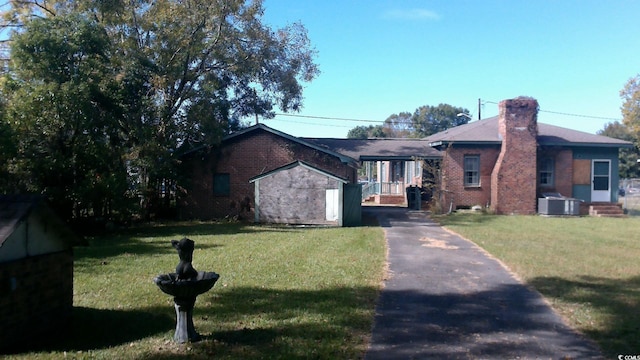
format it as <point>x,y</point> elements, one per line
<point>513,179</point>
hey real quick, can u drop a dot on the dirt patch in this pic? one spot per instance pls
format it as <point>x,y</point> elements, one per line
<point>439,244</point>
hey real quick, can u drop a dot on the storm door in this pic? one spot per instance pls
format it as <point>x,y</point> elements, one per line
<point>601,180</point>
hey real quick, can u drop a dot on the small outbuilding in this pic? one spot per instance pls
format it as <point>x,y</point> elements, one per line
<point>300,193</point>
<point>36,270</point>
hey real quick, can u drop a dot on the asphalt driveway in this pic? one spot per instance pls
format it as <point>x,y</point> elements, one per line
<point>445,298</point>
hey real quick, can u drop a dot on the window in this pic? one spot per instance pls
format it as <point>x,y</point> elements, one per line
<point>221,185</point>
<point>472,170</point>
<point>546,172</point>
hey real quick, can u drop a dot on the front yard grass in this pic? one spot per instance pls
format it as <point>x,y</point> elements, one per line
<point>588,268</point>
<point>283,293</point>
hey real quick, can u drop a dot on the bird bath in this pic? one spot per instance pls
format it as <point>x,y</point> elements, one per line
<point>185,285</point>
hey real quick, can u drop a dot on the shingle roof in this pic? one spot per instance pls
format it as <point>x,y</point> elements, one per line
<point>379,149</point>
<point>16,208</point>
<point>344,157</point>
<point>486,132</point>
<point>298,163</point>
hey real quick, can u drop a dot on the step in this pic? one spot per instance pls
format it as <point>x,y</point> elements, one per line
<point>606,210</point>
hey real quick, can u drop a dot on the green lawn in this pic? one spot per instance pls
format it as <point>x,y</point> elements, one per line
<point>588,268</point>
<point>283,293</point>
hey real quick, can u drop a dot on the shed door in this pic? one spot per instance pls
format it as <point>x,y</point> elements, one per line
<point>333,204</point>
<point>601,180</point>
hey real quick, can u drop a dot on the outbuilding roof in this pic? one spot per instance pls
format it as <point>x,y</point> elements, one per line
<point>14,209</point>
<point>302,164</point>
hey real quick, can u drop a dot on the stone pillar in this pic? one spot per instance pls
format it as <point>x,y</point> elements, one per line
<point>514,176</point>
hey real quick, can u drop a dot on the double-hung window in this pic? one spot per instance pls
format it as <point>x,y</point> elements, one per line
<point>472,170</point>
<point>546,172</point>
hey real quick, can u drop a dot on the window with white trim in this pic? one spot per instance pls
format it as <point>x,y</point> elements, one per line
<point>546,172</point>
<point>472,170</point>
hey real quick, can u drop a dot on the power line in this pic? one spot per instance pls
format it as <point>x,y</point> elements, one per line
<point>308,123</point>
<point>382,121</point>
<point>566,114</point>
<point>329,118</point>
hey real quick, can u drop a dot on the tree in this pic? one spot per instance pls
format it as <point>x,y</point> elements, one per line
<point>630,95</point>
<point>429,120</point>
<point>628,166</point>
<point>399,125</point>
<point>630,127</point>
<point>62,115</point>
<point>175,73</point>
<point>367,132</point>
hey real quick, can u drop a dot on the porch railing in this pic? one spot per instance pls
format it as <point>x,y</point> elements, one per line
<point>370,189</point>
<point>392,188</point>
<point>385,188</point>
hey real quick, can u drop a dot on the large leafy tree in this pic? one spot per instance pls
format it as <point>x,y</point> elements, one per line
<point>628,166</point>
<point>630,127</point>
<point>399,125</point>
<point>424,121</point>
<point>630,95</point>
<point>366,132</point>
<point>61,112</point>
<point>429,120</point>
<point>171,74</point>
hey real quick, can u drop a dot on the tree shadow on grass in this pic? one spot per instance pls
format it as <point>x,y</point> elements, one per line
<point>91,329</point>
<point>250,322</point>
<point>150,239</point>
<point>617,300</point>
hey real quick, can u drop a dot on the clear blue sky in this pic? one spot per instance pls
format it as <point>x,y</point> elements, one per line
<point>381,57</point>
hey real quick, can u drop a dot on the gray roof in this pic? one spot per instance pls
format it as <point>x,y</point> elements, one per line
<point>379,149</point>
<point>344,157</point>
<point>16,208</point>
<point>298,163</point>
<point>486,132</point>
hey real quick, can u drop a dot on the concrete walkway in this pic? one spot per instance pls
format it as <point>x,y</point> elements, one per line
<point>445,298</point>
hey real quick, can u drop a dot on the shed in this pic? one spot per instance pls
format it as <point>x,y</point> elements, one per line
<point>36,270</point>
<point>299,193</point>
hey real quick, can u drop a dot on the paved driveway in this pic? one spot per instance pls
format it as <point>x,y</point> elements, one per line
<point>445,298</point>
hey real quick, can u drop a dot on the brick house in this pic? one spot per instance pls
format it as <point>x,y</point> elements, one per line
<point>507,162</point>
<point>218,179</point>
<point>36,271</point>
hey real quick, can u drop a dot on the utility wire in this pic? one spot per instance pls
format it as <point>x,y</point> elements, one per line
<point>566,114</point>
<point>329,118</point>
<point>382,121</point>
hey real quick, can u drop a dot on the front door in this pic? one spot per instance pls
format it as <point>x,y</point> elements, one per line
<point>601,180</point>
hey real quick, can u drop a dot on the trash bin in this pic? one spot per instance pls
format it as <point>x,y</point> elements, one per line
<point>414,198</point>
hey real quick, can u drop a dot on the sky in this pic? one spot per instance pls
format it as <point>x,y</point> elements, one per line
<point>383,57</point>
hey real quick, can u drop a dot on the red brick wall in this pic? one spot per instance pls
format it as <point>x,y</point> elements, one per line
<point>242,158</point>
<point>36,298</point>
<point>453,176</point>
<point>514,177</point>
